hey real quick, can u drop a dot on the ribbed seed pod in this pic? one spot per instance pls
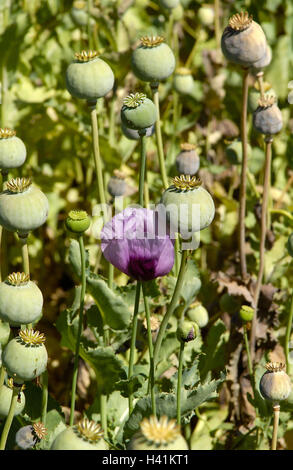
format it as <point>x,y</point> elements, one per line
<point>12,150</point>
<point>23,207</point>
<point>77,221</point>
<point>267,118</point>
<point>89,77</point>
<point>153,60</point>
<point>117,184</point>
<point>133,134</point>
<point>138,112</point>
<point>158,434</point>
<point>86,435</point>
<point>187,161</point>
<point>183,81</point>
<point>21,301</point>
<point>275,384</point>
<point>5,401</point>
<point>243,40</point>
<point>199,314</point>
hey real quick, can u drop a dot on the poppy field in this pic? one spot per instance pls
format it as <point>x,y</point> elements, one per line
<point>146,227</point>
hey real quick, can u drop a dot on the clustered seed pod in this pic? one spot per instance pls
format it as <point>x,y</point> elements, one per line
<point>86,435</point>
<point>77,221</point>
<point>187,161</point>
<point>183,81</point>
<point>158,434</point>
<point>199,314</point>
<point>138,112</point>
<point>25,356</point>
<point>12,150</point>
<point>254,95</point>
<point>243,40</point>
<point>21,301</point>
<point>5,401</point>
<point>117,184</point>
<point>275,384</point>
<point>23,207</point>
<point>187,205</point>
<point>246,313</point>
<point>133,134</point>
<point>89,77</point>
<point>234,152</point>
<point>267,118</point>
<point>187,331</point>
<point>153,60</point>
<point>169,3</point>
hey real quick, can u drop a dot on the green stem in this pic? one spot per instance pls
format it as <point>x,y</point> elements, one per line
<point>44,382</point>
<point>179,381</point>
<point>151,352</point>
<point>217,23</point>
<point>2,376</point>
<point>249,362</point>
<point>287,339</point>
<point>155,90</point>
<point>97,156</point>
<point>103,413</point>
<point>133,341</point>
<point>143,139</point>
<point>276,410</point>
<point>172,306</point>
<point>79,331</point>
<point>9,418</point>
<point>25,255</point>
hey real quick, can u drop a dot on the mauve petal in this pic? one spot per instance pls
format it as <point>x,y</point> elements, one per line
<point>117,253</point>
<point>166,259</point>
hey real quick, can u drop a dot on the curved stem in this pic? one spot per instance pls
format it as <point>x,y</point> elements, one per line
<point>276,410</point>
<point>265,197</point>
<point>179,381</point>
<point>79,331</point>
<point>151,352</point>
<point>9,418</point>
<point>287,338</point>
<point>242,202</point>
<point>133,341</point>
<point>155,90</point>
<point>172,306</point>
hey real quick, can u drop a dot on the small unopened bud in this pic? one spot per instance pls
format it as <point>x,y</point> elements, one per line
<point>187,331</point>
<point>77,221</point>
<point>246,313</point>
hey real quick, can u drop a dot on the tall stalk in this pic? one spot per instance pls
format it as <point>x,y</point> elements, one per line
<point>96,151</point>
<point>9,418</point>
<point>151,352</point>
<point>179,380</point>
<point>160,148</point>
<point>133,341</point>
<point>276,410</point>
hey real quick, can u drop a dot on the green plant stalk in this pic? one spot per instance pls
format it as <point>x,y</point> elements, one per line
<point>44,383</point>
<point>96,150</point>
<point>155,91</point>
<point>133,341</point>
<point>25,255</point>
<point>242,202</point>
<point>263,230</point>
<point>249,362</point>
<point>79,331</point>
<point>142,170</point>
<point>179,382</point>
<point>151,351</point>
<point>217,23</point>
<point>171,307</point>
<point>89,8</point>
<point>276,410</point>
<point>2,376</point>
<point>287,338</point>
<point>103,413</point>
<point>259,77</point>
<point>9,418</point>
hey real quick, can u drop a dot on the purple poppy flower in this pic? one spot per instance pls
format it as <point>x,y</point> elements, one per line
<point>133,243</point>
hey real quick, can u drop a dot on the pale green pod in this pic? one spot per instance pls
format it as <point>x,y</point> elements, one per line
<point>188,206</point>
<point>275,384</point>
<point>267,118</point>
<point>23,207</point>
<point>199,314</point>
<point>153,60</point>
<point>158,434</point>
<point>12,150</point>
<point>89,77</point>
<point>79,14</point>
<point>243,41</point>
<point>25,356</point>
<point>86,435</point>
<point>5,400</point>
<point>169,4</point>
<point>138,112</point>
<point>4,333</point>
<point>206,15</point>
<point>21,301</point>
<point>187,161</point>
<point>183,81</point>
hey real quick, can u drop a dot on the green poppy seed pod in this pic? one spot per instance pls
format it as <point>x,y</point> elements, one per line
<point>79,14</point>
<point>89,77</point>
<point>243,41</point>
<point>206,15</point>
<point>246,313</point>
<point>23,207</point>
<point>183,81</point>
<point>12,150</point>
<point>117,184</point>
<point>234,152</point>
<point>158,434</point>
<point>4,333</point>
<point>187,161</point>
<point>275,384</point>
<point>133,134</point>
<point>5,400</point>
<point>198,314</point>
<point>21,301</point>
<point>260,64</point>
<point>187,205</point>
<point>187,331</point>
<point>169,4</point>
<point>138,112</point>
<point>254,96</point>
<point>290,245</point>
<point>267,118</point>
<point>153,60</point>
<point>178,12</point>
<point>77,221</point>
<point>86,435</point>
<point>25,356</point>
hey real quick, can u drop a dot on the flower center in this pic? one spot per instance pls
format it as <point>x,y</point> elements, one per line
<point>186,182</point>
<point>40,430</point>
<point>18,185</point>
<point>240,21</point>
<point>134,100</point>
<point>5,133</point>
<point>151,41</point>
<point>86,56</point>
<point>30,336</point>
<point>89,430</point>
<point>18,279</point>
<point>77,215</point>
<point>159,431</point>
<point>187,147</point>
<point>275,366</point>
